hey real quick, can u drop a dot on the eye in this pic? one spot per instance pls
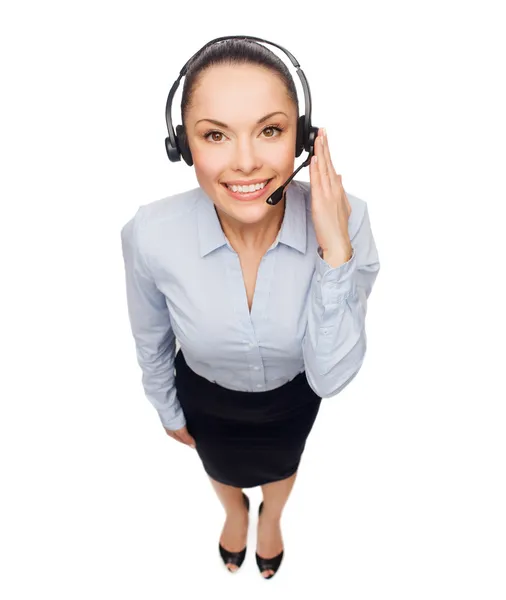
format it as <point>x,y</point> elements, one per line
<point>273,128</point>
<point>206,135</point>
<point>214,132</point>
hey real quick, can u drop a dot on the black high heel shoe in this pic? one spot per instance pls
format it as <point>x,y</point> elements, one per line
<point>235,558</point>
<point>268,564</point>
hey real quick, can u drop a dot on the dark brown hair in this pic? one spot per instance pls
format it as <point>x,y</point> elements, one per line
<point>235,52</point>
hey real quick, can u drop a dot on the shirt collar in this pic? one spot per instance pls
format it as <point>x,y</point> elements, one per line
<point>293,231</point>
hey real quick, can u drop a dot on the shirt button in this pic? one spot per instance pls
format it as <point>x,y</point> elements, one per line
<point>259,385</point>
<point>256,368</point>
<point>318,278</point>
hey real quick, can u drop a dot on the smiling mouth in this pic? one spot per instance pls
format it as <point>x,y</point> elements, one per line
<point>267,181</point>
<point>249,196</point>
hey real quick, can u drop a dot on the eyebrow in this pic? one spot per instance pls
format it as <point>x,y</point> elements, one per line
<point>220,124</point>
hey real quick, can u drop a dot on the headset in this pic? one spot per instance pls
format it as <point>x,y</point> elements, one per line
<point>177,146</point>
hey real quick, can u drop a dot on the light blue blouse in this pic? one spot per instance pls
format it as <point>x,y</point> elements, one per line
<point>184,282</point>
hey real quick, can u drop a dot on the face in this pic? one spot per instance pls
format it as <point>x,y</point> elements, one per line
<point>240,148</point>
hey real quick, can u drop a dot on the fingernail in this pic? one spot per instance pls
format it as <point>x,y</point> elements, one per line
<point>324,132</point>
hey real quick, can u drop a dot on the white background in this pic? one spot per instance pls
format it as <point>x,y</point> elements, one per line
<point>401,491</point>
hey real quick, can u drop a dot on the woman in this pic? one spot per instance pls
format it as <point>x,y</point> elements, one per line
<point>267,302</point>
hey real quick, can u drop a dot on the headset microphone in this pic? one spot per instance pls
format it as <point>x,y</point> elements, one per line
<point>276,196</point>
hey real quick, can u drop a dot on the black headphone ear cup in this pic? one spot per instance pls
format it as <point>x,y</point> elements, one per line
<point>299,142</point>
<point>183,146</point>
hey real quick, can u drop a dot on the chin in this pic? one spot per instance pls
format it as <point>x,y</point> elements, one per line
<point>252,213</point>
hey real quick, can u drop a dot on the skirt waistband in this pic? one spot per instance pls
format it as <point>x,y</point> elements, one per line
<point>196,392</point>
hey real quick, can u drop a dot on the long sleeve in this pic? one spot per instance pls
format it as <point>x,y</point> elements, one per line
<point>334,344</point>
<point>152,331</point>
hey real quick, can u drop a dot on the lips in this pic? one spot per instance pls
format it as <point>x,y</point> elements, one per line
<point>250,195</point>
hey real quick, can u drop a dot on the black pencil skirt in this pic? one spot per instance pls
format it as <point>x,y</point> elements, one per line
<point>246,439</point>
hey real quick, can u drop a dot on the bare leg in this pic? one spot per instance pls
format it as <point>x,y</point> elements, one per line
<point>235,531</point>
<point>270,541</point>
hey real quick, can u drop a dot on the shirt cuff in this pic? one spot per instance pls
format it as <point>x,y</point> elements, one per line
<point>335,283</point>
<point>173,423</point>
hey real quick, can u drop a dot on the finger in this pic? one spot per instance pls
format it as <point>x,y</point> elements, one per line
<point>326,151</point>
<point>188,440</point>
<point>322,164</point>
<point>314,174</point>
<point>333,176</point>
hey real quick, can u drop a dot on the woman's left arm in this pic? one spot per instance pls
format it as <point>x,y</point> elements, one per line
<point>334,344</point>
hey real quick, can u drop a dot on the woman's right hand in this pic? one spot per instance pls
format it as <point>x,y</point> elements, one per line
<point>181,435</point>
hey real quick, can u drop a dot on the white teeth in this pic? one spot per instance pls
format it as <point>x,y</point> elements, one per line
<point>246,188</point>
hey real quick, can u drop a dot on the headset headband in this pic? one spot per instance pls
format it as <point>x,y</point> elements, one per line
<point>306,134</point>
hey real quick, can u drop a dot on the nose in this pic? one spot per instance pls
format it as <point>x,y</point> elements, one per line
<point>245,155</point>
